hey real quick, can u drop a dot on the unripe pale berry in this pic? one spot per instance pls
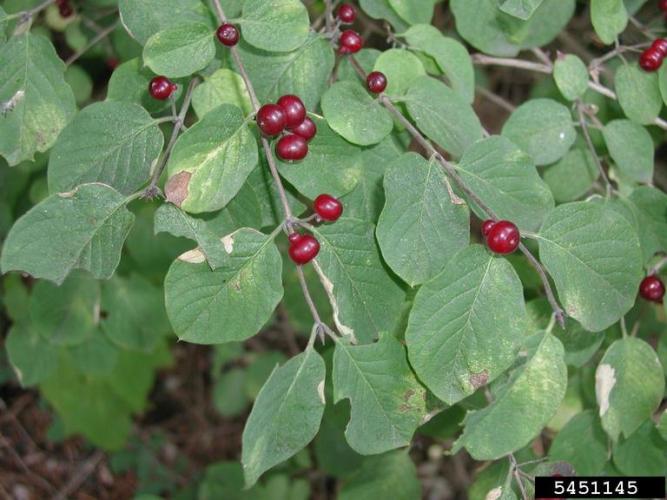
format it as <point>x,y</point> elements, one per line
<point>652,289</point>
<point>307,129</point>
<point>161,88</point>
<point>271,119</point>
<point>376,82</point>
<point>292,147</point>
<point>295,111</point>
<point>350,42</point>
<point>304,249</point>
<point>228,34</point>
<point>347,13</point>
<point>503,237</point>
<point>328,208</point>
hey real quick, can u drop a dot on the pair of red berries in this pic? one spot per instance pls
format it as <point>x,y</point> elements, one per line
<point>289,113</point>
<point>227,34</point>
<point>346,13</point>
<point>161,88</point>
<point>652,289</point>
<point>305,247</point>
<point>501,236</point>
<point>651,58</point>
<point>64,8</point>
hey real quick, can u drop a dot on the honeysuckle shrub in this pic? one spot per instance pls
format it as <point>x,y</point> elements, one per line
<point>131,217</point>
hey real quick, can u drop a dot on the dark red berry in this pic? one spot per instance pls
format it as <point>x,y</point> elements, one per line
<point>304,249</point>
<point>292,147</point>
<point>350,42</point>
<point>347,13</point>
<point>486,226</point>
<point>295,111</point>
<point>503,237</point>
<point>162,88</point>
<point>663,5</point>
<point>650,60</point>
<point>652,289</point>
<point>228,34</point>
<point>659,45</point>
<point>112,63</point>
<point>307,129</point>
<point>271,119</point>
<point>376,82</point>
<point>65,10</point>
<point>328,207</point>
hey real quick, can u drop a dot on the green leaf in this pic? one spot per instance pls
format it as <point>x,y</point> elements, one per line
<point>662,82</point>
<point>391,475</point>
<point>215,157</point>
<point>38,101</point>
<point>386,411</point>
<point>506,179</point>
<point>643,453</point>
<point>420,226</point>
<point>650,207</point>
<point>33,359</point>
<point>129,83</point>
<point>542,128</point>
<point>572,176</point>
<point>96,355</point>
<point>84,228</point>
<point>222,87</point>
<point>364,298</point>
<point>180,51</point>
<point>401,67</point>
<point>304,72</point>
<point>232,302</point>
<point>115,143</point>
<point>414,11</point>
<point>332,166</point>
<point>135,317</point>
<point>593,255</point>
<point>228,396</point>
<point>466,324</point>
<point>143,18</point>
<point>609,19</point>
<point>521,408</point>
<point>629,385</point>
<point>638,94</point>
<point>450,55</point>
<point>276,25</point>
<point>354,114</point>
<point>582,443</point>
<point>631,147</point>
<point>571,76</point>
<point>286,415</point>
<point>443,115</point>
<point>522,9</point>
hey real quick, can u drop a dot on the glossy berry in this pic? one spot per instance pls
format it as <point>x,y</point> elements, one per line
<point>659,45</point>
<point>663,5</point>
<point>486,226</point>
<point>350,42</point>
<point>652,289</point>
<point>228,34</point>
<point>295,111</point>
<point>650,60</point>
<point>304,249</point>
<point>376,82</point>
<point>271,119</point>
<point>347,13</point>
<point>65,10</point>
<point>503,237</point>
<point>307,129</point>
<point>294,237</point>
<point>328,207</point>
<point>162,88</point>
<point>292,147</point>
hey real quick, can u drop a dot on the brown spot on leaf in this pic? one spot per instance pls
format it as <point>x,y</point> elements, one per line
<point>408,394</point>
<point>404,408</point>
<point>176,189</point>
<point>479,379</point>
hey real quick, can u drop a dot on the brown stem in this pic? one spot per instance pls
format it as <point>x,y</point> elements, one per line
<point>101,35</point>
<point>517,477</point>
<point>591,147</point>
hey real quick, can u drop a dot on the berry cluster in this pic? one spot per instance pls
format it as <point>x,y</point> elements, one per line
<point>227,34</point>
<point>651,58</point>
<point>501,236</point>
<point>652,289</point>
<point>305,247</point>
<point>64,8</point>
<point>161,88</point>
<point>288,114</point>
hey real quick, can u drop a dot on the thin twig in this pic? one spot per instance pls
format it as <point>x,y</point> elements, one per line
<point>517,477</point>
<point>152,190</point>
<point>537,265</point>
<point>658,266</point>
<point>495,99</point>
<point>101,35</point>
<point>80,477</point>
<point>587,136</point>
